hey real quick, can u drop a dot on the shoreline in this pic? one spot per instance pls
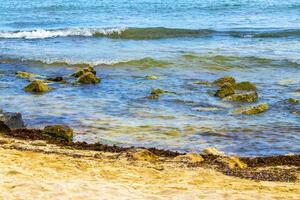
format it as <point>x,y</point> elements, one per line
<point>38,168</point>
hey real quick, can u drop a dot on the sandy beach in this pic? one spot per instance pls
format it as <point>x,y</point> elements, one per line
<point>37,170</point>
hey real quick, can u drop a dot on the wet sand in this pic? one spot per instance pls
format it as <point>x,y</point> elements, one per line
<point>39,170</point>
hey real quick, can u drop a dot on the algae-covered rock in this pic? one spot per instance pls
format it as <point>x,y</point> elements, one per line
<point>189,158</point>
<point>21,74</point>
<point>292,101</point>
<point>243,97</point>
<point>36,86</point>
<point>151,77</point>
<point>252,109</point>
<point>144,155</point>
<point>79,73</point>
<point>212,151</point>
<point>224,80</point>
<point>88,78</point>
<point>226,90</point>
<point>245,86</point>
<point>154,94</point>
<point>59,131</point>
<point>232,162</point>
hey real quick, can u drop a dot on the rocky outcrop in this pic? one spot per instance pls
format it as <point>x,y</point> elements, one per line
<point>88,78</point>
<point>36,86</point>
<point>79,73</point>
<point>12,120</point>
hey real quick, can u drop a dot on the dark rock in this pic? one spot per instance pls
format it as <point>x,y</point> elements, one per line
<point>4,128</point>
<point>12,120</point>
<point>56,79</point>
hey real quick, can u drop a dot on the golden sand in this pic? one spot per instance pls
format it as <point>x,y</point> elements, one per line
<point>36,170</point>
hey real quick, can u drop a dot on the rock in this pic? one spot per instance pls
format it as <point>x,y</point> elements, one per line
<point>206,83</point>
<point>292,101</point>
<point>212,151</point>
<point>81,72</point>
<point>154,94</point>
<point>88,78</point>
<point>144,155</point>
<point>27,75</point>
<point>59,131</point>
<point>226,79</point>
<point>252,109</point>
<point>12,120</point>
<point>296,112</point>
<point>232,162</point>
<point>56,79</point>
<point>226,90</point>
<point>243,97</point>
<point>151,77</point>
<point>189,158</point>
<point>245,86</point>
<point>4,128</point>
<point>36,86</point>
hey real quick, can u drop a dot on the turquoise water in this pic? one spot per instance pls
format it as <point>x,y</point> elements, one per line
<point>179,42</point>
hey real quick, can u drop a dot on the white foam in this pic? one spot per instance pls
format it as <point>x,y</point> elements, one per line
<point>41,33</point>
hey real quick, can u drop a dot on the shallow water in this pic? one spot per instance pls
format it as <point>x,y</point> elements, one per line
<point>179,42</point>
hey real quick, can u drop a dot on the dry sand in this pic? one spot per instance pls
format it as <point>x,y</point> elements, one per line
<point>36,170</point>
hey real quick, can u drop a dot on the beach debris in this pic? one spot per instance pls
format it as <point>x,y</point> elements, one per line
<point>225,80</point>
<point>88,78</point>
<point>225,90</point>
<point>243,97</point>
<point>27,75</point>
<point>292,101</point>
<point>59,131</point>
<point>189,158</point>
<point>246,85</point>
<point>212,151</point>
<point>232,162</point>
<point>36,86</point>
<point>151,77</point>
<point>81,72</point>
<point>144,155</point>
<point>155,93</point>
<point>4,128</point>
<point>250,110</point>
<point>12,120</point>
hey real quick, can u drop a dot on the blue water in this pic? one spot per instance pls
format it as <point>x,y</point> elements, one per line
<point>180,42</point>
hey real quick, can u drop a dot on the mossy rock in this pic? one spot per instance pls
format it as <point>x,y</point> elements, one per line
<point>155,93</point>
<point>226,90</point>
<point>189,158</point>
<point>144,155</point>
<point>81,72</point>
<point>212,151</point>
<point>36,86</point>
<point>151,77</point>
<point>88,78</point>
<point>292,101</point>
<point>245,86</point>
<point>27,75</point>
<point>232,162</point>
<point>252,109</point>
<point>243,97</point>
<point>60,132</point>
<point>224,80</point>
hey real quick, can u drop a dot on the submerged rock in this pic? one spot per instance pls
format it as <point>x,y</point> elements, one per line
<point>245,86</point>
<point>232,162</point>
<point>206,83</point>
<point>21,74</point>
<point>144,155</point>
<point>252,109</point>
<point>79,73</point>
<point>56,79</point>
<point>12,120</point>
<point>225,90</point>
<point>224,80</point>
<point>151,77</point>
<point>59,131</point>
<point>292,101</point>
<point>36,86</point>
<point>88,78</point>
<point>243,97</point>
<point>154,94</point>
<point>212,151</point>
<point>189,158</point>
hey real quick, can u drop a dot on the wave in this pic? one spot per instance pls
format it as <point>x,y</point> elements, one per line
<point>146,33</point>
